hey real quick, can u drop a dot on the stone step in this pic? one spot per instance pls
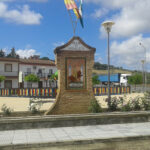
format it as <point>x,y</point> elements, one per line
<point>16,123</point>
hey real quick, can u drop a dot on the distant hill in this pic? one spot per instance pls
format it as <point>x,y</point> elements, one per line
<point>99,68</point>
<point>112,71</point>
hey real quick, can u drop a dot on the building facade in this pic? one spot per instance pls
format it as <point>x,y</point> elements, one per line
<point>9,67</point>
<point>15,70</point>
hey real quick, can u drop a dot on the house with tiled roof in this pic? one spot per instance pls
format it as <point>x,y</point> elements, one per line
<point>9,67</point>
<point>15,69</point>
<point>41,68</point>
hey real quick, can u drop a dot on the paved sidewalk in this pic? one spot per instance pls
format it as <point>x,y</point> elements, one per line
<point>62,134</point>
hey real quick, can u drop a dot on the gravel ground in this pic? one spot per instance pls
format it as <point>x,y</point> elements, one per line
<point>22,104</point>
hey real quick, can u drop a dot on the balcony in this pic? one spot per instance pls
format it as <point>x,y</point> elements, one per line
<point>40,75</point>
<point>9,74</point>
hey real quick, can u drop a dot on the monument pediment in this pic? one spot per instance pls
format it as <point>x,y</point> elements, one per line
<point>75,44</point>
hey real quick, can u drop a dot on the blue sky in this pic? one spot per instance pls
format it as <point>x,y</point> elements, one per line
<point>38,26</point>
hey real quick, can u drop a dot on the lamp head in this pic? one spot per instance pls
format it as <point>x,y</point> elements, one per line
<point>108,25</point>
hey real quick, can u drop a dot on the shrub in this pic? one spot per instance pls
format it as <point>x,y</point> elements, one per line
<point>114,103</point>
<point>35,108</point>
<point>6,110</point>
<point>146,101</point>
<point>126,107</point>
<point>95,107</point>
<point>136,103</point>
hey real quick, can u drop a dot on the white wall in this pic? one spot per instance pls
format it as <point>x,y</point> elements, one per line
<point>45,69</point>
<point>8,74</point>
<point>23,68</point>
<point>14,83</point>
<point>2,85</point>
<point>14,66</point>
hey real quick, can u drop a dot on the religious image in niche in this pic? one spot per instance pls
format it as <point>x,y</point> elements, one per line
<point>75,73</point>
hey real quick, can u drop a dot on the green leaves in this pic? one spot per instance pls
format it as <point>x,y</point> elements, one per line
<point>95,107</point>
<point>135,79</point>
<point>2,78</point>
<point>32,78</point>
<point>95,80</point>
<point>54,76</point>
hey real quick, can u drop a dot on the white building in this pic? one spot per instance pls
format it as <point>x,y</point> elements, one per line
<point>42,68</point>
<point>15,70</point>
<point>9,67</point>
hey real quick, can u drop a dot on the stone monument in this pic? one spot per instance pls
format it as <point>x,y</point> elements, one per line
<point>74,61</point>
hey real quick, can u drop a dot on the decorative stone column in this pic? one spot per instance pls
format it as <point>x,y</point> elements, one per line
<point>74,61</point>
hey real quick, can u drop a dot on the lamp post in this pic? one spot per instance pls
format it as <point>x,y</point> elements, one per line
<point>144,65</point>
<point>108,25</point>
<point>143,61</point>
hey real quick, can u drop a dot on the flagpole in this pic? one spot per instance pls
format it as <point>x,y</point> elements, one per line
<point>73,27</point>
<point>76,24</point>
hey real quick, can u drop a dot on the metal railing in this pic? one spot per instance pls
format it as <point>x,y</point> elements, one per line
<point>29,92</point>
<point>52,92</point>
<point>115,90</point>
<point>40,75</point>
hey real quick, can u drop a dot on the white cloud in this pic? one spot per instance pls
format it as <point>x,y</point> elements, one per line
<point>24,16</point>
<point>113,4</point>
<point>131,16</point>
<point>98,13</point>
<point>26,52</point>
<point>98,57</point>
<point>58,44</point>
<point>36,1</point>
<point>129,53</point>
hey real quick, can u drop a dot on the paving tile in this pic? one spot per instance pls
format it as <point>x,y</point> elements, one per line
<point>73,133</point>
<point>49,139</point>
<point>19,141</point>
<point>34,140</point>
<point>64,138</point>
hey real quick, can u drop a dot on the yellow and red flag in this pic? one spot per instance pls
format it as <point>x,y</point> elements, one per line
<point>76,11</point>
<point>70,4</point>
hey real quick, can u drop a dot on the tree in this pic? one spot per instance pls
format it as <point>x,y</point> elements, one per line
<point>135,79</point>
<point>13,54</point>
<point>54,78</point>
<point>2,78</point>
<point>32,78</point>
<point>2,53</point>
<point>44,58</point>
<point>95,80</point>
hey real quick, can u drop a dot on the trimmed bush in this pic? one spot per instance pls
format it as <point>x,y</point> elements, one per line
<point>6,110</point>
<point>95,107</point>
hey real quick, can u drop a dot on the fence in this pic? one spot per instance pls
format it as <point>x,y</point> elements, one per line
<point>52,92</point>
<point>98,91</point>
<point>34,92</point>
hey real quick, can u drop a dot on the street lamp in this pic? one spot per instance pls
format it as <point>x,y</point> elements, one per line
<point>108,25</point>
<point>144,66</point>
<point>143,61</point>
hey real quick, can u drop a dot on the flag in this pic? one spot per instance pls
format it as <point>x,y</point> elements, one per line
<point>70,4</point>
<point>80,12</point>
<point>76,11</point>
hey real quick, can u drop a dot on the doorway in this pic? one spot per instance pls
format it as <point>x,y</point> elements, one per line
<point>40,84</point>
<point>8,84</point>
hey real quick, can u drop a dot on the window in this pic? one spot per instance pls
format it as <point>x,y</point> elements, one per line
<point>40,71</point>
<point>8,67</point>
<point>50,71</point>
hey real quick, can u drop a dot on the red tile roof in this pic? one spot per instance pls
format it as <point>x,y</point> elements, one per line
<point>37,62</point>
